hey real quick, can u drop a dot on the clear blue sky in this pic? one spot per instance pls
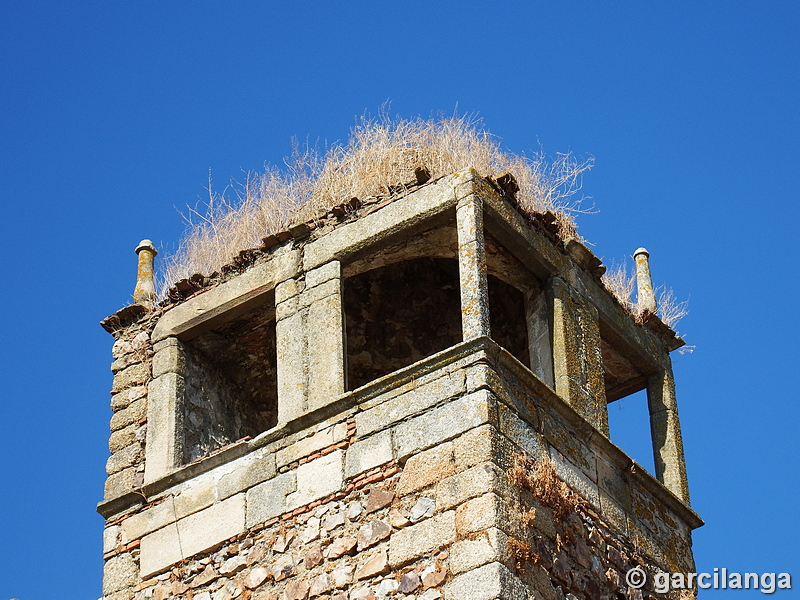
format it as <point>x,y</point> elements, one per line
<point>112,114</point>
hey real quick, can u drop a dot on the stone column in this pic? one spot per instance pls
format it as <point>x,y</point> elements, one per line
<point>325,331</point>
<point>577,358</point>
<point>290,343</point>
<point>539,337</point>
<point>645,297</point>
<point>665,429</point>
<point>310,341</point>
<point>472,268</point>
<point>165,396</point>
<point>145,291</point>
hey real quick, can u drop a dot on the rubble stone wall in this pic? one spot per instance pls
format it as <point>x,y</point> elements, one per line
<point>404,493</point>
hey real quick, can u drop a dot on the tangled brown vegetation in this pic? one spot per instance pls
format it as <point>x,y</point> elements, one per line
<point>622,284</point>
<point>378,158</point>
<point>544,484</point>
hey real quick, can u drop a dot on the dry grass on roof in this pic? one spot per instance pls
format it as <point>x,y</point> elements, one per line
<point>379,156</point>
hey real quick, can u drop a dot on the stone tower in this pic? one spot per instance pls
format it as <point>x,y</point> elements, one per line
<point>405,398</point>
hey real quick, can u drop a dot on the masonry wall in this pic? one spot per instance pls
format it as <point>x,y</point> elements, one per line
<point>404,492</point>
<point>420,484</point>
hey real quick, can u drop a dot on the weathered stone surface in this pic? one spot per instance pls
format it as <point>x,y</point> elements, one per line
<point>119,572</point>
<point>317,478</point>
<point>362,593</point>
<point>120,483</point>
<point>481,513</point>
<point>368,453</point>
<point>233,565</point>
<point>296,590</point>
<point>310,532</point>
<point>423,508</point>
<point>111,536</point>
<point>442,423</point>
<point>476,446</point>
<point>378,498</point>
<point>208,575</point>
<point>325,350</point>
<point>397,519</point>
<point>319,585</point>
<point>458,488</point>
<point>472,269</point>
<point>373,532</point>
<point>127,416</point>
<point>169,359</point>
<point>575,477</point>
<point>124,398</point>
<point>164,442</point>
<point>435,577</point>
<point>333,521</point>
<point>432,594</point>
<point>488,582</point>
<point>135,374</point>
<point>426,468</point>
<point>410,403</point>
<point>414,541</point>
<point>521,433</point>
<point>124,458</point>
<point>247,472</point>
<point>126,594</point>
<point>341,546</point>
<point>387,587</point>
<point>313,557</point>
<point>192,534</point>
<point>354,510</point>
<point>308,445</point>
<point>342,576</point>
<point>268,499</point>
<point>368,230</point>
<point>409,583</point>
<point>247,288</point>
<point>375,564</point>
<point>490,546</point>
<point>283,567</point>
<point>123,437</point>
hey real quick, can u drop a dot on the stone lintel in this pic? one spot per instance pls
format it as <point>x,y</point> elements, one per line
<point>228,300</point>
<point>539,255</point>
<point>402,215</point>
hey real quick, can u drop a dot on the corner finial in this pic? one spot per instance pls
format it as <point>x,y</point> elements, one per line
<point>645,298</point>
<point>145,291</point>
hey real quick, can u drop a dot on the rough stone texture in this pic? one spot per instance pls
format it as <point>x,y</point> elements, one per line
<point>317,479</point>
<point>120,572</point>
<point>410,403</point>
<point>400,487</point>
<point>442,423</point>
<point>416,540</point>
<point>191,535</point>
<point>490,546</point>
<point>489,582</point>
<point>308,445</point>
<point>268,499</point>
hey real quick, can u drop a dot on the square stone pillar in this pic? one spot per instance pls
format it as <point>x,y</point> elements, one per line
<point>472,268</point>
<point>577,357</point>
<point>290,345</point>
<point>310,341</point>
<point>665,429</point>
<point>165,397</point>
<point>537,317</point>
